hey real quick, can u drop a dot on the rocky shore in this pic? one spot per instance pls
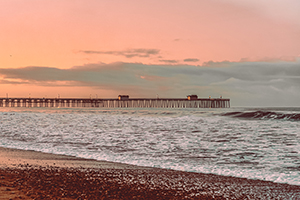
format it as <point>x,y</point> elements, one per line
<point>44,176</point>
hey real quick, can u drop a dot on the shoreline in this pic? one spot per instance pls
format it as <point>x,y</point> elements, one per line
<point>10,158</point>
<point>30,174</point>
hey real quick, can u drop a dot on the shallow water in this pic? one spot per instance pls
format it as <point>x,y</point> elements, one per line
<point>256,143</point>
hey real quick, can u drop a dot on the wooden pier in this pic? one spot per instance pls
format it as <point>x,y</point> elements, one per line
<point>116,103</point>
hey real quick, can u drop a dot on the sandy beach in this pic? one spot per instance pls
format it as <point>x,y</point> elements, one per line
<point>35,175</point>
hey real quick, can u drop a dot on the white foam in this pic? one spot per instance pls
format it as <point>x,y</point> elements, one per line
<point>200,142</point>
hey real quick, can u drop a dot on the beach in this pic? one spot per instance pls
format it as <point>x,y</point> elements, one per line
<point>35,175</point>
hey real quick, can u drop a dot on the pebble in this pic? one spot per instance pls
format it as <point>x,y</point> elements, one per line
<point>86,183</point>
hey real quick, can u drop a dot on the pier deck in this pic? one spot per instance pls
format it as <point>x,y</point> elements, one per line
<point>116,103</point>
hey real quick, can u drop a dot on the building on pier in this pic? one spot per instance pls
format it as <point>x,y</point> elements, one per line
<point>123,97</point>
<point>192,97</point>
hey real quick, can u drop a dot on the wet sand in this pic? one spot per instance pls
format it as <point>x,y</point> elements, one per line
<point>35,175</point>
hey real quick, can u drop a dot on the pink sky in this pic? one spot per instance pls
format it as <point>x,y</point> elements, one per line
<point>72,34</point>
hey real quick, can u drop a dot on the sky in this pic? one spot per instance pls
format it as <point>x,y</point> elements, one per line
<point>245,50</point>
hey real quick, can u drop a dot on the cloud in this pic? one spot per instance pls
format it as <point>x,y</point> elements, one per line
<point>35,73</point>
<point>246,83</point>
<point>4,82</point>
<point>129,53</point>
<point>216,64</point>
<point>169,61</point>
<point>269,59</point>
<point>191,60</point>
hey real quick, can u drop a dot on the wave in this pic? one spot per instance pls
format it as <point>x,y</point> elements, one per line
<point>265,115</point>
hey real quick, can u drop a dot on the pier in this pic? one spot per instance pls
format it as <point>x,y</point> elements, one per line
<point>121,102</point>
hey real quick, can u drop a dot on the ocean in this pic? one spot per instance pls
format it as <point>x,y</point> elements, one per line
<point>254,143</point>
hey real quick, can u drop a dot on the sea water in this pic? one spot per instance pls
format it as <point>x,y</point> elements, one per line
<point>255,143</point>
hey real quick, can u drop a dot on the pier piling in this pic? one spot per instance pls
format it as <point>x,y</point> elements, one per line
<point>116,103</point>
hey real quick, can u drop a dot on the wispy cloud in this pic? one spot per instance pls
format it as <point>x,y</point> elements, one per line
<point>191,60</point>
<point>129,53</point>
<point>169,61</point>
<point>247,83</point>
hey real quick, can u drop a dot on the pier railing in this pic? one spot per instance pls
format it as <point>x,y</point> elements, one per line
<point>115,103</point>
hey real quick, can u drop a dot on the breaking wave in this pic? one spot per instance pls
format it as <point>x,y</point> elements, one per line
<point>265,115</point>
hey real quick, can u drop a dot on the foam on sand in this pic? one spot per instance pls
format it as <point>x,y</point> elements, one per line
<point>43,175</point>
